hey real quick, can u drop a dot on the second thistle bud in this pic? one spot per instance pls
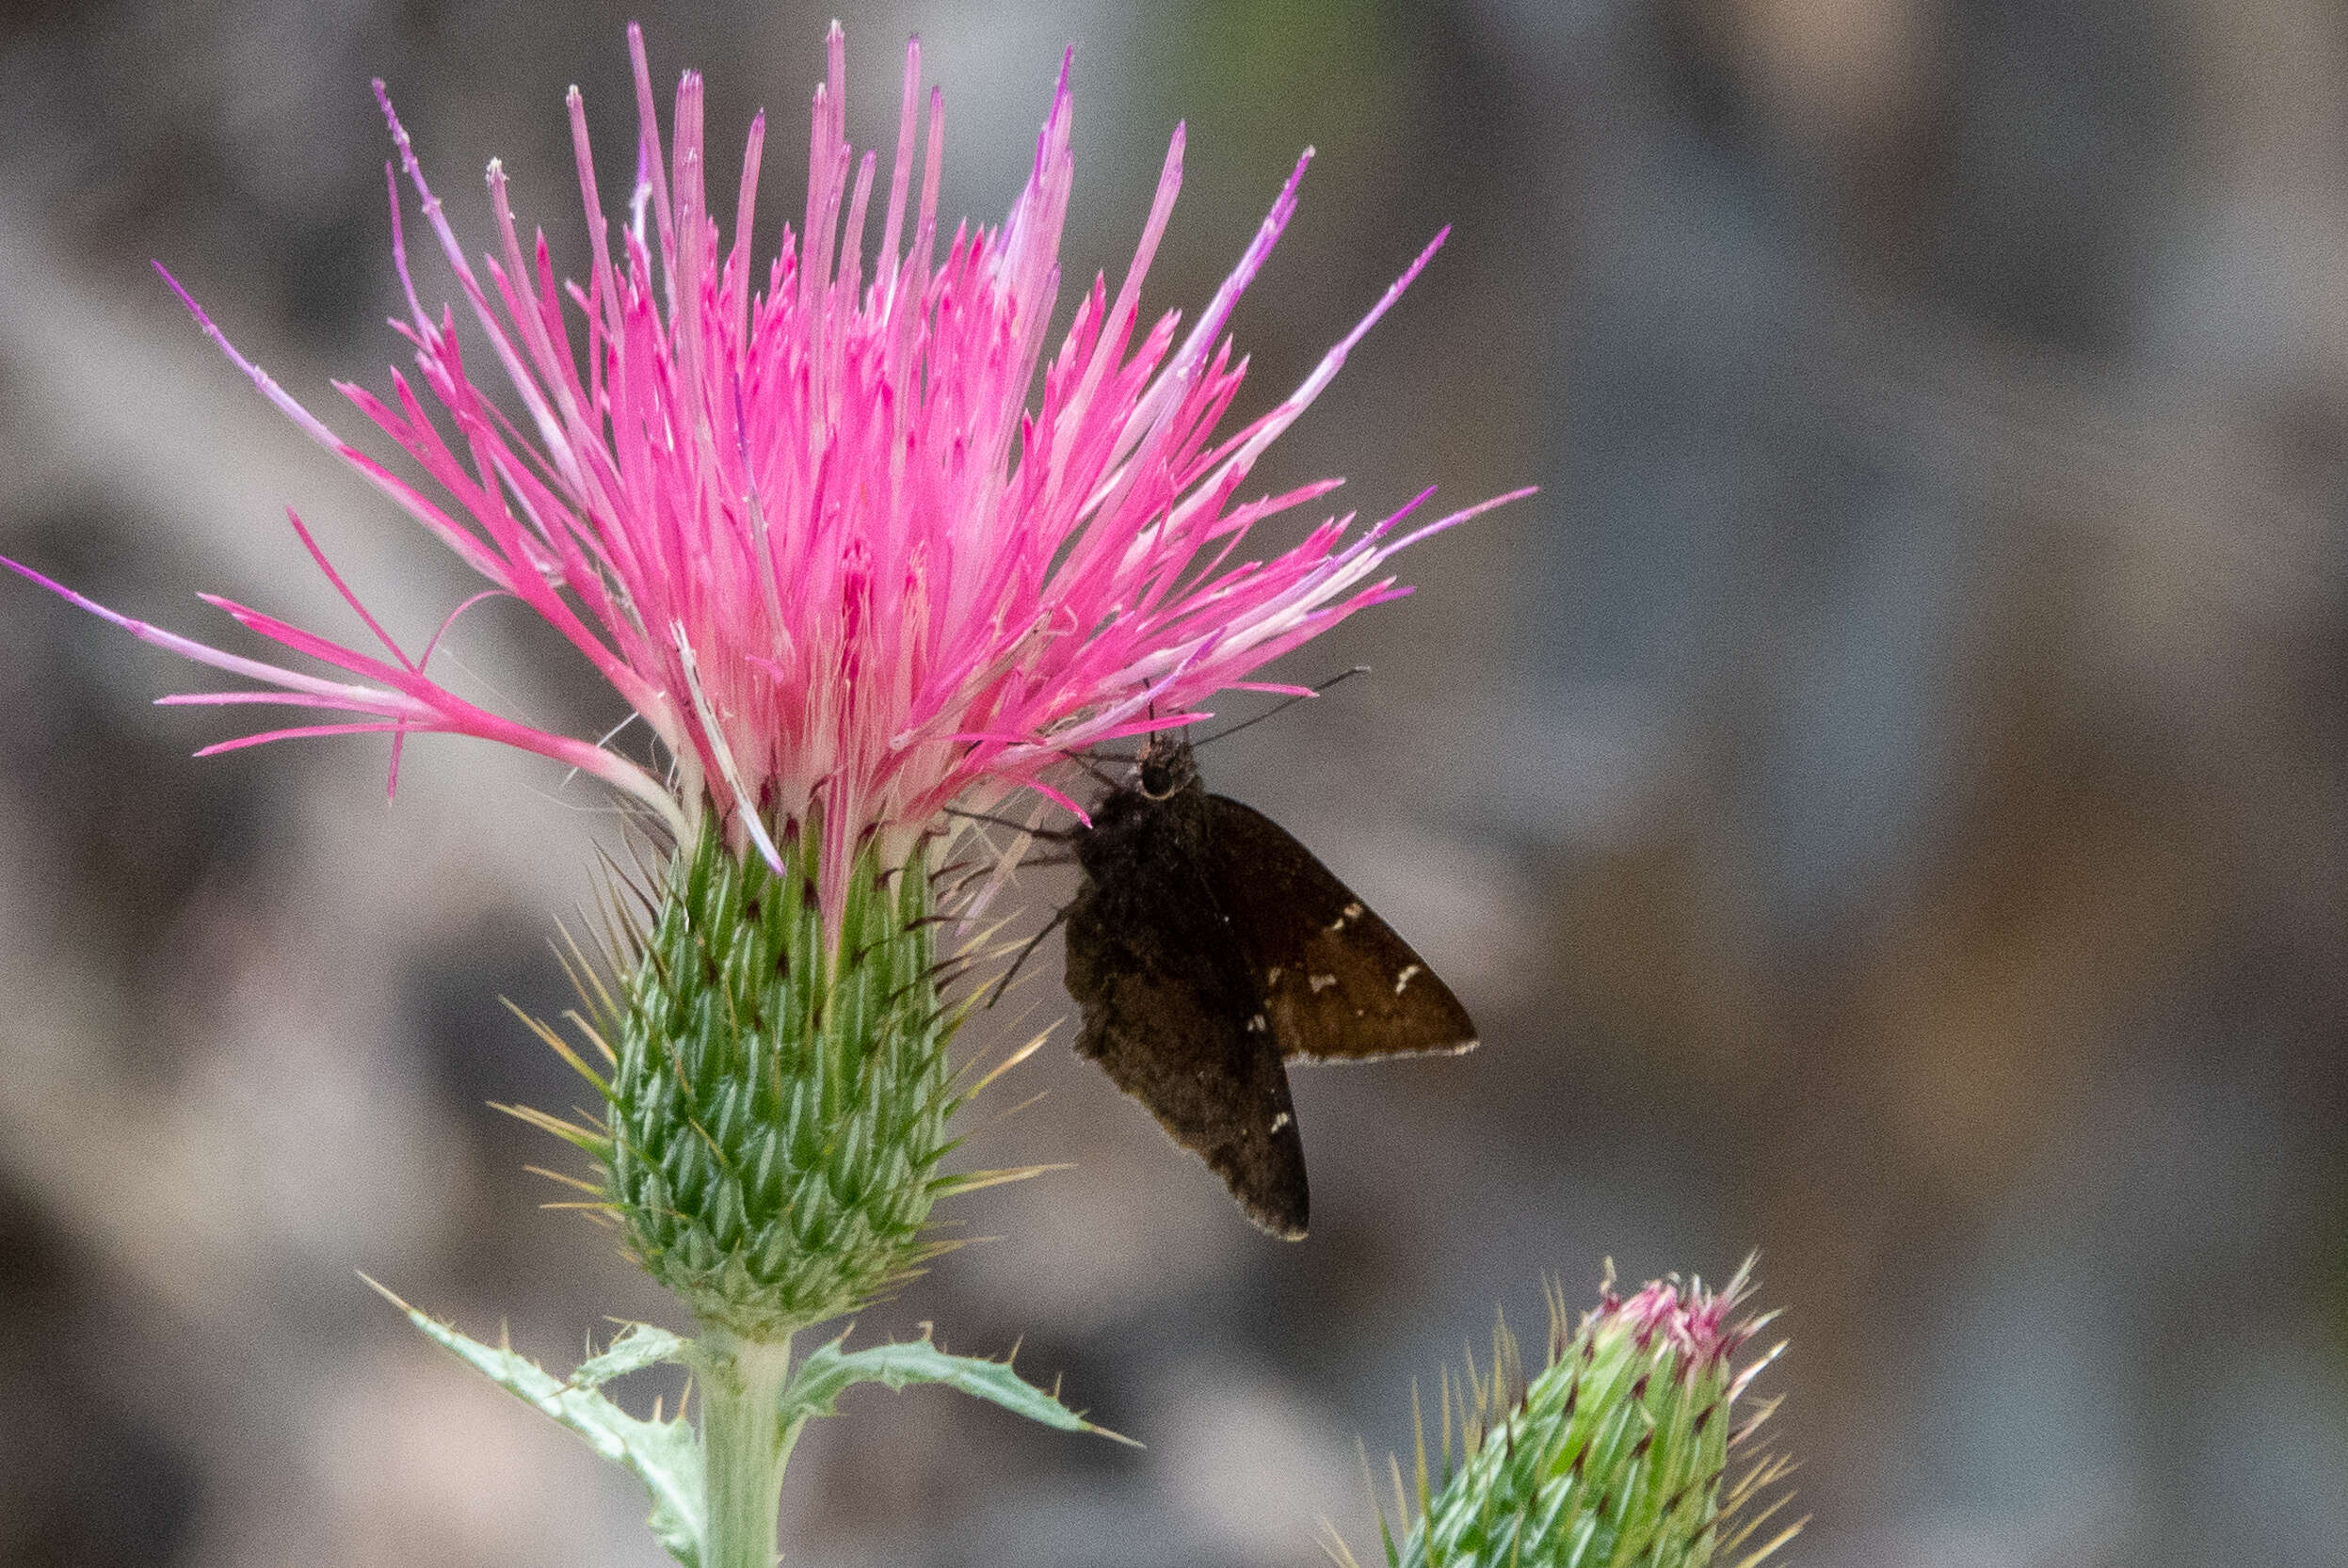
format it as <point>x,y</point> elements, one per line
<point>779,1101</point>
<point>1618,1452</point>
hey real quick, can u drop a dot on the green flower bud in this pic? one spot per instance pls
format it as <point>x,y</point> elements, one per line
<point>1617,1453</point>
<point>777,1099</point>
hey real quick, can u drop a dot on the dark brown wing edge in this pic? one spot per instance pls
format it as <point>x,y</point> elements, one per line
<point>1338,983</point>
<point>1199,1062</point>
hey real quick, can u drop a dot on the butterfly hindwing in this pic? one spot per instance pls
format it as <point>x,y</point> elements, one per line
<point>1169,1010</point>
<point>1335,982</point>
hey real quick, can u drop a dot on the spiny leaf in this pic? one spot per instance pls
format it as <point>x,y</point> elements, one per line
<point>638,1346</point>
<point>664,1455</point>
<point>828,1373</point>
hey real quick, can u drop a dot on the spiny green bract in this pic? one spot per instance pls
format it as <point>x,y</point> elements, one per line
<point>1617,1453</point>
<point>775,1117</point>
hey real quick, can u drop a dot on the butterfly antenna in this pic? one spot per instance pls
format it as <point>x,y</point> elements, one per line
<point>1284,707</point>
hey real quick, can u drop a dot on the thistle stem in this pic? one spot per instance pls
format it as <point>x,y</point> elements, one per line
<point>744,1445</point>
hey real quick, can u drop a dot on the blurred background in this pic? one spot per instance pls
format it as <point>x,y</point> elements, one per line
<point>1883,799</point>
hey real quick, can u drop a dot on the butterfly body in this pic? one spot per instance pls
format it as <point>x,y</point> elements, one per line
<point>1206,949</point>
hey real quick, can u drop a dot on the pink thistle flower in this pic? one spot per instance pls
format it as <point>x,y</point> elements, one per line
<point>812,534</point>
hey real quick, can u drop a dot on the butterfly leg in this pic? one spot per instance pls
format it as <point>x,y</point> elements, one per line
<point>1091,765</point>
<point>1033,943</point>
<point>1047,835</point>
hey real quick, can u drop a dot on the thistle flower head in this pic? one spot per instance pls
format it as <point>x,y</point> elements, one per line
<point>802,517</point>
<point>1620,1451</point>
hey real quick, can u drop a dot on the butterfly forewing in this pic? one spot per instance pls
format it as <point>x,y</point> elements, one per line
<point>1336,983</point>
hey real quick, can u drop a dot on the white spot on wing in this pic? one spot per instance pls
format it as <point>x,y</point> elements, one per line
<point>1257,1025</point>
<point>1282,1120</point>
<point>1404,979</point>
<point>1351,912</point>
<point>1322,982</point>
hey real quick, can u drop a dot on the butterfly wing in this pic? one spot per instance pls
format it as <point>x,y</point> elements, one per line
<point>1336,983</point>
<point>1169,1015</point>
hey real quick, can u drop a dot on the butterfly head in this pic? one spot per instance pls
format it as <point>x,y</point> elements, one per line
<point>1167,767</point>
